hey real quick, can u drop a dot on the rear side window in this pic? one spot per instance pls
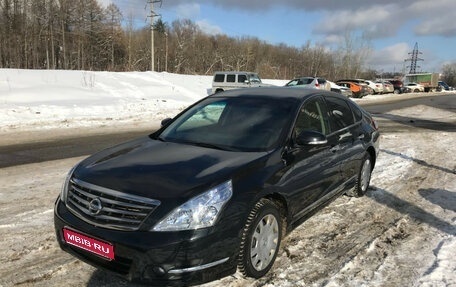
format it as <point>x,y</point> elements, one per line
<point>340,113</point>
<point>231,78</point>
<point>356,112</point>
<point>219,78</point>
<point>307,81</point>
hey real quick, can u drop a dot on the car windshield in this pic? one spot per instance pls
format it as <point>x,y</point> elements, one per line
<point>301,81</point>
<point>239,124</point>
<point>254,78</point>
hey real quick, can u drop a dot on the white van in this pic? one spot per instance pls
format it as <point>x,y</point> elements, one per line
<point>235,80</point>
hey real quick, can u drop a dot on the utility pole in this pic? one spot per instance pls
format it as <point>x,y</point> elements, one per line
<point>152,45</point>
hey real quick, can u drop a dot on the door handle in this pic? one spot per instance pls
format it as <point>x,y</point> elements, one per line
<point>345,135</point>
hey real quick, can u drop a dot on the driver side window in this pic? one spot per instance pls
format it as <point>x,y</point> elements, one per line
<point>312,117</point>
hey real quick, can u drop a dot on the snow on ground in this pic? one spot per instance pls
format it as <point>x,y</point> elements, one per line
<point>403,228</point>
<point>33,99</point>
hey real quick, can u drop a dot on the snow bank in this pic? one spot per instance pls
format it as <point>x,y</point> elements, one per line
<point>44,99</point>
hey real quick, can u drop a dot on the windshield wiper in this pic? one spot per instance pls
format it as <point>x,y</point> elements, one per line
<point>208,145</point>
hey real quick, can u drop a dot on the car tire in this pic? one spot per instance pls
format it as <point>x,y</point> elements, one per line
<point>363,178</point>
<point>397,91</point>
<point>260,240</point>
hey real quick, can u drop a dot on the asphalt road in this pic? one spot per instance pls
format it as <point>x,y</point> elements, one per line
<point>45,149</point>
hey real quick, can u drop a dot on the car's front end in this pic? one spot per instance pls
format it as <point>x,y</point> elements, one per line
<point>139,211</point>
<point>141,239</point>
<point>157,258</point>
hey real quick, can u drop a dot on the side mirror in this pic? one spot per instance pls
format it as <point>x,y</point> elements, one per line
<point>166,121</point>
<point>311,138</point>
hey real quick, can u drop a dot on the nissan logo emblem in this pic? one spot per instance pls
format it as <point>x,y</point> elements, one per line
<point>95,206</point>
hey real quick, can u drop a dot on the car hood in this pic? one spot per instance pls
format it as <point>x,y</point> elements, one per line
<point>161,170</point>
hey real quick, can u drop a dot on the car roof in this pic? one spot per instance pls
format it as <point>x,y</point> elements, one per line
<point>234,72</point>
<point>277,93</point>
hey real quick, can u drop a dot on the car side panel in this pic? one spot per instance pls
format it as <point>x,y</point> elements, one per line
<point>310,174</point>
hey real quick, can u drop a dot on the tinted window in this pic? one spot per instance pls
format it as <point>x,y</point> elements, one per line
<point>356,111</point>
<point>206,116</point>
<point>242,78</point>
<point>245,124</point>
<point>312,117</point>
<point>231,78</point>
<point>306,81</point>
<point>340,113</point>
<point>219,78</point>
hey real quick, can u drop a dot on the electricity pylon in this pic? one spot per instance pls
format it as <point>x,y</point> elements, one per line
<point>414,59</point>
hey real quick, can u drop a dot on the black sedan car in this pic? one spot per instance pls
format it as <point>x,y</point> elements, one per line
<point>217,187</point>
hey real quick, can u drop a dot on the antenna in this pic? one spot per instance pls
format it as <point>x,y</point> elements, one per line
<point>414,59</point>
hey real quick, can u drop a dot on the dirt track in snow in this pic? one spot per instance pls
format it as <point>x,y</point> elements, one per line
<point>401,234</point>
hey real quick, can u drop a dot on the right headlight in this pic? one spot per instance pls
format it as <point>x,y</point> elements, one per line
<point>199,212</point>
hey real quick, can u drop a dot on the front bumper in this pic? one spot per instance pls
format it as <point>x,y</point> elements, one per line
<point>157,258</point>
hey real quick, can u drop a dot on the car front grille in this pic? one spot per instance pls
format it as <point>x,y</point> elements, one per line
<point>106,207</point>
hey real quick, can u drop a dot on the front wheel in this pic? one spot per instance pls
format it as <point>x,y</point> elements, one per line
<point>363,179</point>
<point>260,239</point>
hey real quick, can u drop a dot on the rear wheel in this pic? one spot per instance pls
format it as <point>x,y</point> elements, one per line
<point>364,176</point>
<point>260,240</point>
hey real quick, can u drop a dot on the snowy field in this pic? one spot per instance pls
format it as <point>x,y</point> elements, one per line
<point>31,99</point>
<point>403,233</point>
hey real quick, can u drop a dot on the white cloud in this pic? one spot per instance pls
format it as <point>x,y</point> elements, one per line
<point>208,27</point>
<point>391,55</point>
<point>188,11</point>
<point>377,21</point>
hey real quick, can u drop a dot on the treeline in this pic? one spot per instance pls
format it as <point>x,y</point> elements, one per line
<point>82,35</point>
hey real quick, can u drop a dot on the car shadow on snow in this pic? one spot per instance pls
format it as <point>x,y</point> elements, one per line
<point>419,123</point>
<point>417,213</point>
<point>443,198</point>
<point>418,161</point>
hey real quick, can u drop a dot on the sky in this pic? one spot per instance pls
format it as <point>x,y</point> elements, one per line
<point>390,28</point>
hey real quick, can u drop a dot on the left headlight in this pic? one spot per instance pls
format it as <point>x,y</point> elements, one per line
<point>199,212</point>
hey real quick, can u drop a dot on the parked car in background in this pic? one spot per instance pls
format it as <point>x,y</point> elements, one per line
<point>310,82</point>
<point>444,86</point>
<point>215,189</point>
<point>387,86</point>
<point>415,87</point>
<point>376,87</point>
<point>398,86</point>
<point>358,90</point>
<point>365,86</point>
<point>341,90</point>
<point>224,81</point>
